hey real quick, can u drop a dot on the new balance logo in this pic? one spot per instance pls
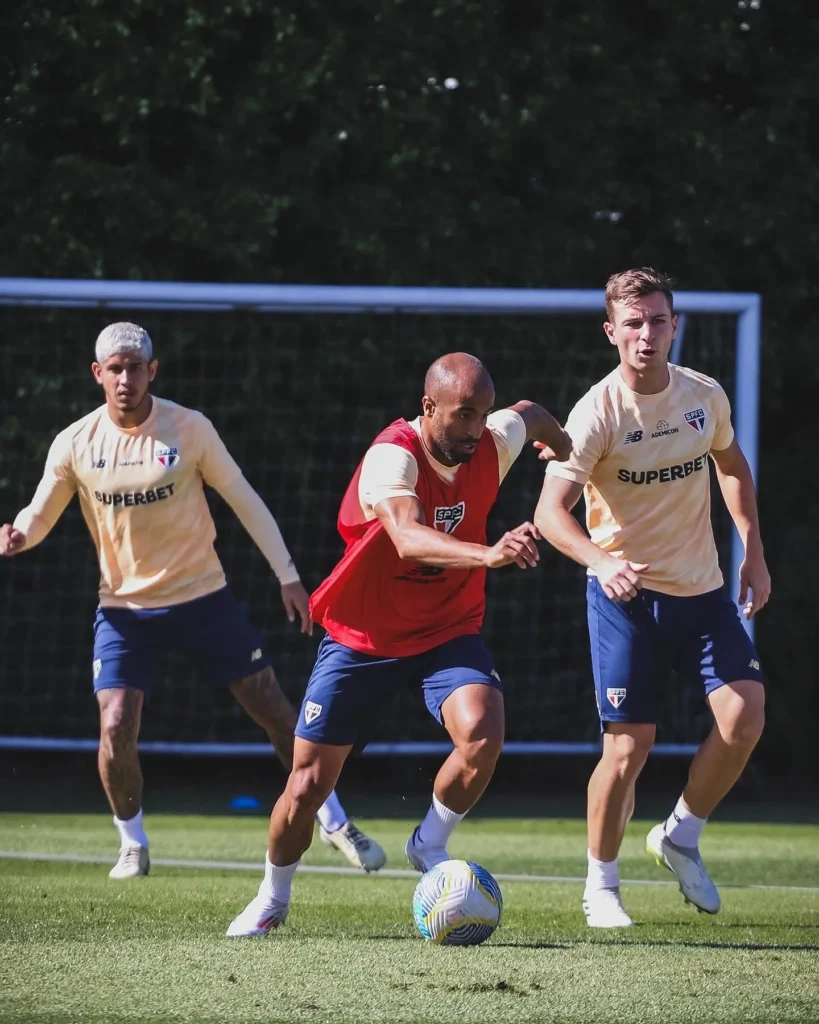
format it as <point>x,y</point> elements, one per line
<point>311,711</point>
<point>256,655</point>
<point>97,668</point>
<point>99,464</point>
<point>753,663</point>
<point>494,674</point>
<point>633,436</point>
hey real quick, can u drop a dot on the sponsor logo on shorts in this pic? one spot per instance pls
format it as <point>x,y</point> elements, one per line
<point>256,655</point>
<point>97,668</point>
<point>494,674</point>
<point>753,663</point>
<point>167,457</point>
<point>135,497</point>
<point>311,711</point>
<point>615,695</point>
<point>633,436</point>
<point>695,418</point>
<point>447,517</point>
<point>664,475</point>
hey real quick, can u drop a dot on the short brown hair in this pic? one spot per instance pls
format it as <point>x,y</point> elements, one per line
<point>636,284</point>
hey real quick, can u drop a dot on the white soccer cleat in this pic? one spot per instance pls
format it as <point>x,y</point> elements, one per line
<point>359,849</point>
<point>686,863</point>
<point>604,909</point>
<point>258,918</point>
<point>422,857</point>
<point>133,862</point>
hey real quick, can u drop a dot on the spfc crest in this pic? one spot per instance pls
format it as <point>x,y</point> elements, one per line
<point>311,711</point>
<point>167,456</point>
<point>695,418</point>
<point>447,517</point>
<point>616,695</point>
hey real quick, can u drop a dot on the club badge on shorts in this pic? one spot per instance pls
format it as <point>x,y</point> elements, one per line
<point>616,695</point>
<point>311,711</point>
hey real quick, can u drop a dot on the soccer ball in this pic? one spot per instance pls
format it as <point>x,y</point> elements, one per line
<point>457,903</point>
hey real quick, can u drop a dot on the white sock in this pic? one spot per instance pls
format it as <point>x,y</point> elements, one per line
<point>131,832</point>
<point>439,824</point>
<point>684,828</point>
<point>601,874</point>
<point>277,881</point>
<point>331,814</point>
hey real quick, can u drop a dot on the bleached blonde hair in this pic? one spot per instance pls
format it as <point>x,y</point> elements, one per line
<point>123,338</point>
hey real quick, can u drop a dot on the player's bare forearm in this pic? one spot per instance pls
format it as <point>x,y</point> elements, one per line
<point>542,427</point>
<point>620,578</point>
<point>563,532</point>
<point>403,520</point>
<point>737,486</point>
<point>557,525</point>
<point>738,492</point>
<point>28,532</point>
<point>417,543</point>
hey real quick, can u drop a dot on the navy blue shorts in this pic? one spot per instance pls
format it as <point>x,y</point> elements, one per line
<point>212,630</point>
<point>635,644</point>
<point>348,691</point>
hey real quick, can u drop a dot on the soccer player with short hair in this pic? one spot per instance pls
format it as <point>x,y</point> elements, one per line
<point>139,465</point>
<point>642,439</point>
<point>404,606</point>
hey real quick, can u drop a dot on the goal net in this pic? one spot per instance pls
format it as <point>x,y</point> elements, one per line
<point>298,381</point>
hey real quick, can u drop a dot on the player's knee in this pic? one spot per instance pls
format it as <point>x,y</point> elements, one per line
<point>484,752</point>
<point>740,713</point>
<point>747,727</point>
<point>307,789</point>
<point>627,748</point>
<point>119,725</point>
<point>479,739</point>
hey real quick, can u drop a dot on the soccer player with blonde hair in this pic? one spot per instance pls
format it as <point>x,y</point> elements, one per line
<point>642,440</point>
<point>139,465</point>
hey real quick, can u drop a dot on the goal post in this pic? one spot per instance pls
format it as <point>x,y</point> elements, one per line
<point>721,330</point>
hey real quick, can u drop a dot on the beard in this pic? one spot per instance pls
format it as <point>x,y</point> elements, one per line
<point>453,451</point>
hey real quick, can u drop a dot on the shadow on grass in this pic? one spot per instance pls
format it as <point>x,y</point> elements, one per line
<point>751,947</point>
<point>48,782</point>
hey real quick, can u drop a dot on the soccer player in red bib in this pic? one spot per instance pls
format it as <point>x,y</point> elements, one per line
<point>405,605</point>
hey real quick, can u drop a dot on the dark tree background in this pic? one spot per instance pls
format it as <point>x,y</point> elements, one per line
<point>247,141</point>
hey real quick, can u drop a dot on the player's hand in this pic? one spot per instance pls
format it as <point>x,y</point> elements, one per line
<point>547,454</point>
<point>516,546</point>
<point>11,540</point>
<point>619,578</point>
<point>754,576</point>
<point>296,601</point>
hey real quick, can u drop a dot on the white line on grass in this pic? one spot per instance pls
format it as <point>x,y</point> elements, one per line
<point>320,869</point>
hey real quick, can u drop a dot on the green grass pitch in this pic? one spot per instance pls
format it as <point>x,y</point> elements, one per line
<point>76,947</point>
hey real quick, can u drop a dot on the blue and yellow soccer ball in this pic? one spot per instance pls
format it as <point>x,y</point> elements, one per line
<point>457,903</point>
